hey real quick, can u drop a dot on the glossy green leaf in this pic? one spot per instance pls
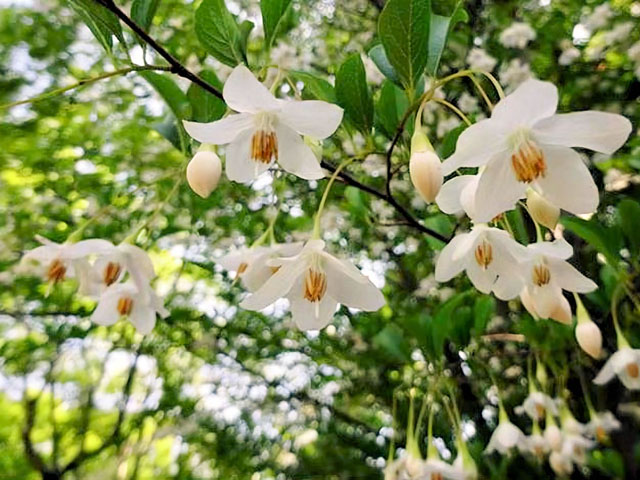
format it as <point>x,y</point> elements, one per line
<point>439,32</point>
<point>103,23</point>
<point>175,98</point>
<point>483,311</point>
<point>390,108</point>
<point>379,57</point>
<point>629,219</point>
<point>314,88</point>
<point>218,32</point>
<point>403,29</point>
<point>605,240</point>
<point>206,107</point>
<point>272,12</point>
<point>143,11</point>
<point>353,93</point>
<point>392,341</point>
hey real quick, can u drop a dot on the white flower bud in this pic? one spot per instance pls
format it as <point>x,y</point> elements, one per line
<point>553,436</point>
<point>542,211</point>
<point>589,338</point>
<point>203,173</point>
<point>425,169</point>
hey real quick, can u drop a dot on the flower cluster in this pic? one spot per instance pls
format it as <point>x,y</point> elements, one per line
<point>118,276</point>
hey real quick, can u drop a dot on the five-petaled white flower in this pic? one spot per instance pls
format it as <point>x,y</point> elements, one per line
<point>57,261</point>
<point>489,256</point>
<point>601,424</point>
<point>436,469</point>
<point>315,282</point>
<point>126,300</point>
<point>546,274</point>
<point>505,437</point>
<point>526,144</point>
<point>537,404</point>
<point>250,264</point>
<point>267,129</point>
<point>625,363</point>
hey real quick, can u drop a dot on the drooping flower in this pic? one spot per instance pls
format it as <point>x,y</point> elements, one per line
<point>457,195</point>
<point>588,333</point>
<point>546,274</point>
<point>601,424</point>
<point>625,364</point>
<point>203,172</point>
<point>126,300</point>
<point>315,282</point>
<point>505,437</point>
<point>525,144</point>
<point>425,167</point>
<point>251,264</point>
<point>489,256</point>
<point>542,211</point>
<point>266,129</point>
<point>437,469</point>
<point>537,404</point>
<point>56,262</point>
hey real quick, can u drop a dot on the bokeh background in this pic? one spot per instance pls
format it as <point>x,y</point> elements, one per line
<point>218,392</point>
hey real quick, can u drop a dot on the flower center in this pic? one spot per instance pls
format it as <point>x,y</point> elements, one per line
<point>111,273</point>
<point>633,370</point>
<point>541,275</point>
<point>125,304</point>
<point>527,158</point>
<point>242,268</point>
<point>56,271</point>
<point>601,434</point>
<point>274,270</point>
<point>264,143</point>
<point>436,476</point>
<point>540,411</point>
<point>484,254</point>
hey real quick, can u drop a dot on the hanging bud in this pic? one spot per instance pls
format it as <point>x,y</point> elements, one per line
<point>588,334</point>
<point>203,172</point>
<point>542,211</point>
<point>425,167</point>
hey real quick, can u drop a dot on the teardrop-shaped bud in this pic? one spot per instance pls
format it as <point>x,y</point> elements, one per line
<point>425,170</point>
<point>203,173</point>
<point>542,210</point>
<point>589,338</point>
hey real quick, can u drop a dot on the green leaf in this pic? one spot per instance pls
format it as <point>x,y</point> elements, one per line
<point>143,11</point>
<point>272,12</point>
<point>218,32</point>
<point>379,57</point>
<point>516,220</point>
<point>390,108</point>
<point>103,23</point>
<point>403,29</point>
<point>443,320</point>
<point>392,341</point>
<point>353,93</point>
<point>438,34</point>
<point>629,216</point>
<point>448,145</point>
<point>483,310</point>
<point>314,87</point>
<point>206,107</point>
<point>169,129</point>
<point>245,30</point>
<point>606,240</point>
<point>170,93</point>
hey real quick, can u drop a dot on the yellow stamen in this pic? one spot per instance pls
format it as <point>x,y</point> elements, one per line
<point>56,271</point>
<point>484,254</point>
<point>436,476</point>
<point>528,162</point>
<point>111,273</point>
<point>242,268</point>
<point>264,146</point>
<point>633,370</point>
<point>125,304</point>
<point>315,285</point>
<point>540,410</point>
<point>274,269</point>
<point>541,275</point>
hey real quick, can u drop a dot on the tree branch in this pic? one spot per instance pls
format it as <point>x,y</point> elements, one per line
<point>176,67</point>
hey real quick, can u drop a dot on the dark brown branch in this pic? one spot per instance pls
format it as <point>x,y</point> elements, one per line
<point>176,67</point>
<point>30,417</point>
<point>411,221</point>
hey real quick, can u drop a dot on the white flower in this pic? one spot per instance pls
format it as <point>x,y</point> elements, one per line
<point>479,59</point>
<point>467,103</point>
<point>464,462</point>
<point>536,445</point>
<point>505,437</point>
<point>434,468</point>
<point>518,35</point>
<point>619,33</point>
<point>489,256</point>
<point>599,17</point>
<point>250,264</point>
<point>315,282</point>
<point>514,74</point>
<point>546,274</point>
<point>625,363</point>
<point>126,300</point>
<point>576,447</point>
<point>634,52</point>
<point>458,194</point>
<point>553,436</point>
<point>526,144</point>
<point>568,56</point>
<point>589,338</point>
<point>426,174</point>
<point>267,129</point>
<point>56,262</point>
<point>560,463</point>
<point>601,424</point>
<point>203,172</point>
<point>537,404</point>
<point>542,211</point>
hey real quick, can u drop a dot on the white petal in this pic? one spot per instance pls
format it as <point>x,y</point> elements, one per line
<point>559,248</point>
<point>546,299</point>
<point>343,268</point>
<point>533,100</point>
<point>142,316</point>
<point>599,131</point>
<point>84,248</point>
<point>476,145</point>
<point>449,197</point>
<point>562,311</point>
<point>313,118</point>
<point>44,253</point>
<point>567,182</point>
<point>498,189</point>
<point>295,156</point>
<point>221,131</point>
<point>243,92</point>
<point>276,287</point>
<point>138,261</point>
<point>569,278</point>
<point>239,165</point>
<point>508,287</point>
<point>106,312</point>
<point>607,372</point>
<point>449,262</point>
<point>482,279</point>
<point>311,315</point>
<point>344,289</point>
